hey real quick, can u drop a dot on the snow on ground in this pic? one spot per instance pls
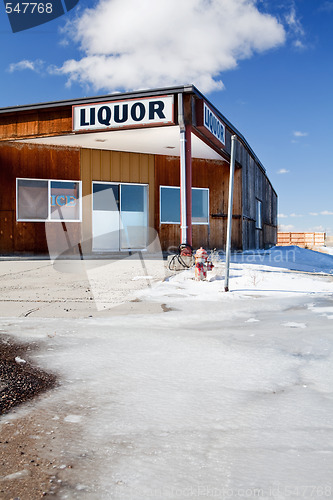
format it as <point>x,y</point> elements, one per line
<point>327,249</point>
<point>226,395</point>
<point>282,272</point>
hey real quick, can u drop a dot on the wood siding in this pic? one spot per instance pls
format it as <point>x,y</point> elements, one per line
<point>49,122</point>
<point>114,166</point>
<point>31,161</point>
<point>256,186</point>
<point>210,174</point>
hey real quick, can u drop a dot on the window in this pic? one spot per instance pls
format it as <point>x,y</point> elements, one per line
<point>45,200</point>
<point>170,205</point>
<point>258,214</point>
<point>200,206</point>
<point>32,200</point>
<point>106,197</point>
<point>132,198</point>
<point>65,200</point>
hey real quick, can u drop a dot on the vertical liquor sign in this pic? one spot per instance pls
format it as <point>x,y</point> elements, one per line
<point>23,15</point>
<point>210,124</point>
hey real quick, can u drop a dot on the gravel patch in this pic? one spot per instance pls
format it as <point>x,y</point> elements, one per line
<point>19,379</point>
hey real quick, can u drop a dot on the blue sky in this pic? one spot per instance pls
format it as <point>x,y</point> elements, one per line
<point>267,66</point>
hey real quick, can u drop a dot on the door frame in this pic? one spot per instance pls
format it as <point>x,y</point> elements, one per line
<point>92,210</point>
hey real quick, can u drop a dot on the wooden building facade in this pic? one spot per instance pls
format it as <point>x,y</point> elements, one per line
<point>109,168</point>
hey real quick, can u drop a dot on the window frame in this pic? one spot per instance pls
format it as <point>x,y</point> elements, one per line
<point>49,218</point>
<point>114,183</point>
<point>202,223</point>
<point>168,222</point>
<point>119,184</point>
<point>258,214</point>
<point>178,223</point>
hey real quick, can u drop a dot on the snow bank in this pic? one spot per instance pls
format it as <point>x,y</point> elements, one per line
<point>269,274</point>
<point>292,257</point>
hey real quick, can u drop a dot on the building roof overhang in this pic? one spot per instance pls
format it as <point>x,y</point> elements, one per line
<point>155,140</point>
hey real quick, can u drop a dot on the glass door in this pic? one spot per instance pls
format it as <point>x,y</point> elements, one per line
<point>119,216</point>
<point>134,216</point>
<point>105,217</point>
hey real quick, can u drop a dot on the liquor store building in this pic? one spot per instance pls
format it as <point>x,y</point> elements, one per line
<point>113,170</point>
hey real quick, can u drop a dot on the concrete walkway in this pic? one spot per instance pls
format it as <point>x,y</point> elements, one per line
<point>77,289</point>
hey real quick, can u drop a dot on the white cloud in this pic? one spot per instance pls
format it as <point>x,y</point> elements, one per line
<point>296,215</point>
<point>320,229</point>
<point>323,212</point>
<point>286,227</point>
<point>293,22</point>
<point>128,44</point>
<point>299,44</point>
<point>283,171</point>
<point>295,29</point>
<point>298,133</point>
<point>26,64</point>
<point>282,216</point>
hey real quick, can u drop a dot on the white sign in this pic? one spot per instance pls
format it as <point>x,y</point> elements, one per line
<point>214,124</point>
<point>130,113</point>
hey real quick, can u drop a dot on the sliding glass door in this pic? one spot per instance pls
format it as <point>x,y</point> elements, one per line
<point>120,216</point>
<point>134,216</point>
<point>105,219</point>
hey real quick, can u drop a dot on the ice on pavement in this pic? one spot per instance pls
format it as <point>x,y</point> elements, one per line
<point>19,360</point>
<point>17,475</point>
<point>292,324</point>
<point>227,395</point>
<point>73,418</point>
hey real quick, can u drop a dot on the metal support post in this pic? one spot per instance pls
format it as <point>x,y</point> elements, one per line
<point>185,176</point>
<point>230,201</point>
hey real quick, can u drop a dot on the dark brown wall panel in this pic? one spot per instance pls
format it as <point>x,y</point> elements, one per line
<point>52,121</point>
<point>30,161</point>
<point>256,185</point>
<point>7,229</point>
<point>209,174</point>
<point>200,236</point>
<point>169,237</point>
